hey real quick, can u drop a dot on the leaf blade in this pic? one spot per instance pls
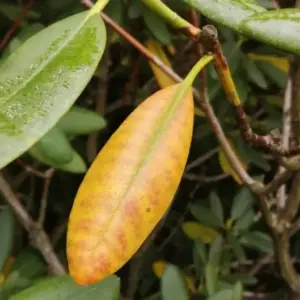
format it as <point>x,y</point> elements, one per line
<point>153,129</point>
<point>279,28</point>
<point>173,285</point>
<point>63,288</point>
<point>37,91</point>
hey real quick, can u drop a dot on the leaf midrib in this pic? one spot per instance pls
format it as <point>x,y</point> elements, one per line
<point>156,138</point>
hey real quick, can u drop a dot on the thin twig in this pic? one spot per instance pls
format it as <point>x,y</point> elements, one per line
<point>100,102</point>
<point>58,232</point>
<point>286,134</point>
<point>203,158</point>
<point>31,169</point>
<point>287,268</point>
<point>280,179</point>
<point>16,24</point>
<point>205,179</point>
<point>43,206</point>
<point>265,260</point>
<point>38,236</point>
<point>200,51</point>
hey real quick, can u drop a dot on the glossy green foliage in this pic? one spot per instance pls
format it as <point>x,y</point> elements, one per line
<point>55,148</point>
<point>80,121</point>
<point>75,165</point>
<point>280,28</point>
<point>226,12</point>
<point>42,79</point>
<point>64,288</point>
<point>27,267</point>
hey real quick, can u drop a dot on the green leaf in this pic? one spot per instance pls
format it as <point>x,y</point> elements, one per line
<point>205,216</point>
<point>236,246</point>
<point>63,288</point>
<point>24,34</point>
<point>242,87</point>
<point>241,203</point>
<point>279,28</point>
<point>226,12</point>
<point>29,264</point>
<point>79,121</point>
<point>76,165</point>
<point>55,146</point>
<point>222,295</point>
<point>173,284</point>
<point>216,250</point>
<point>7,230</point>
<point>201,251</point>
<point>254,74</point>
<point>12,11</point>
<point>37,91</point>
<point>135,9</point>
<point>195,231</point>
<point>245,221</point>
<point>115,10</point>
<point>216,206</point>
<point>14,284</point>
<point>258,240</point>
<point>238,291</point>
<point>211,278</point>
<point>251,156</point>
<point>276,75</point>
<point>156,26</point>
<point>26,267</point>
<point>243,278</point>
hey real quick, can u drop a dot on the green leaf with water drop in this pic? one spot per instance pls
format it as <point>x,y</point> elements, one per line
<point>279,28</point>
<point>43,78</point>
<point>226,12</point>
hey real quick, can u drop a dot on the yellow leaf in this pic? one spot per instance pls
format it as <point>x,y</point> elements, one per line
<point>171,49</point>
<point>124,194</point>
<point>280,62</point>
<point>226,166</point>
<point>199,112</point>
<point>229,224</point>
<point>162,79</point>
<point>196,230</point>
<point>159,267</point>
<point>6,269</point>
<point>190,281</point>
